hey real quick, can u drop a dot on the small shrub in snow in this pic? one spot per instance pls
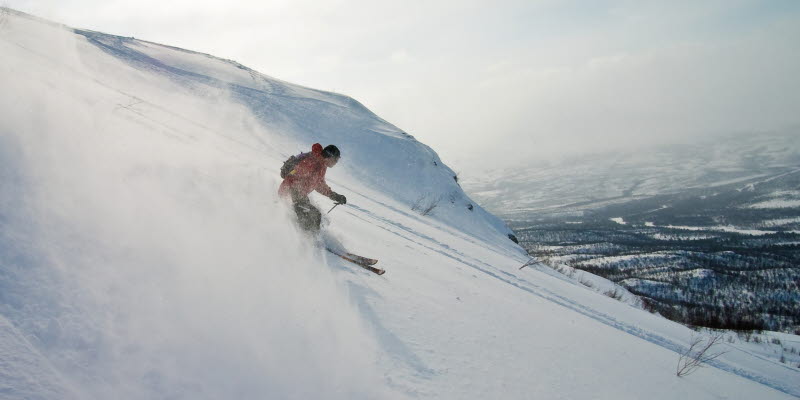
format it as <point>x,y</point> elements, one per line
<point>615,294</point>
<point>426,203</point>
<point>747,336</point>
<point>3,15</point>
<point>647,305</point>
<point>699,353</point>
<point>452,197</point>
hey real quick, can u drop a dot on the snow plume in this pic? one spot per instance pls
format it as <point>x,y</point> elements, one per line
<point>143,252</point>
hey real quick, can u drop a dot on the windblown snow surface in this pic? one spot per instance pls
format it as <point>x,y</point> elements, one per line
<point>144,253</point>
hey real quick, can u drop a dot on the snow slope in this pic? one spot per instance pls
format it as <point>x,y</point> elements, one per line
<point>144,253</point>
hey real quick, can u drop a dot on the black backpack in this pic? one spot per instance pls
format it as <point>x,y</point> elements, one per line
<point>291,163</point>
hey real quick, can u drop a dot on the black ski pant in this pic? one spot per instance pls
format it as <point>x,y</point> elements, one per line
<point>308,216</point>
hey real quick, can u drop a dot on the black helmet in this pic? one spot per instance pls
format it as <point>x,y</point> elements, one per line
<point>331,151</point>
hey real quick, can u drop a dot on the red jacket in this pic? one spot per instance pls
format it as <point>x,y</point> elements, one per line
<point>307,176</point>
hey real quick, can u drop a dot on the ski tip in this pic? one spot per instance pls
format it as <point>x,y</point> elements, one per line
<point>381,271</point>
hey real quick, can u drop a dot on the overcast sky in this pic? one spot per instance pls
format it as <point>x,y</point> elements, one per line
<point>491,82</point>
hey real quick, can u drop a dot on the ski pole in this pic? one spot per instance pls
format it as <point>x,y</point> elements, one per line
<point>334,206</point>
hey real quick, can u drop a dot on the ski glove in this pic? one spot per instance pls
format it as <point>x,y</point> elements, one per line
<point>336,197</point>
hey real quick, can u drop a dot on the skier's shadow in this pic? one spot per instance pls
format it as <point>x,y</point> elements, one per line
<point>360,295</point>
<point>388,340</point>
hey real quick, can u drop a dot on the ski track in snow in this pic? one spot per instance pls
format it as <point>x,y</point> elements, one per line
<point>460,235</point>
<point>523,284</point>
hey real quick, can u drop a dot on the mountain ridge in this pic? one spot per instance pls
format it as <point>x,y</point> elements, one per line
<point>584,182</point>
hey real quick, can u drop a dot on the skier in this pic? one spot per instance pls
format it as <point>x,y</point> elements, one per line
<point>307,176</point>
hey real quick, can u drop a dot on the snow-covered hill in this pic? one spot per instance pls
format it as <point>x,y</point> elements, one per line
<point>144,253</point>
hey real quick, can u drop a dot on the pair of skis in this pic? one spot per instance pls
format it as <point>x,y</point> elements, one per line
<point>363,262</point>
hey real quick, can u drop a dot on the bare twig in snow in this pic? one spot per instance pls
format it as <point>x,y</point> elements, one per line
<point>426,203</point>
<point>699,353</point>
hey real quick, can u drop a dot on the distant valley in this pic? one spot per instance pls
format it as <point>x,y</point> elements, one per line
<point>705,234</point>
